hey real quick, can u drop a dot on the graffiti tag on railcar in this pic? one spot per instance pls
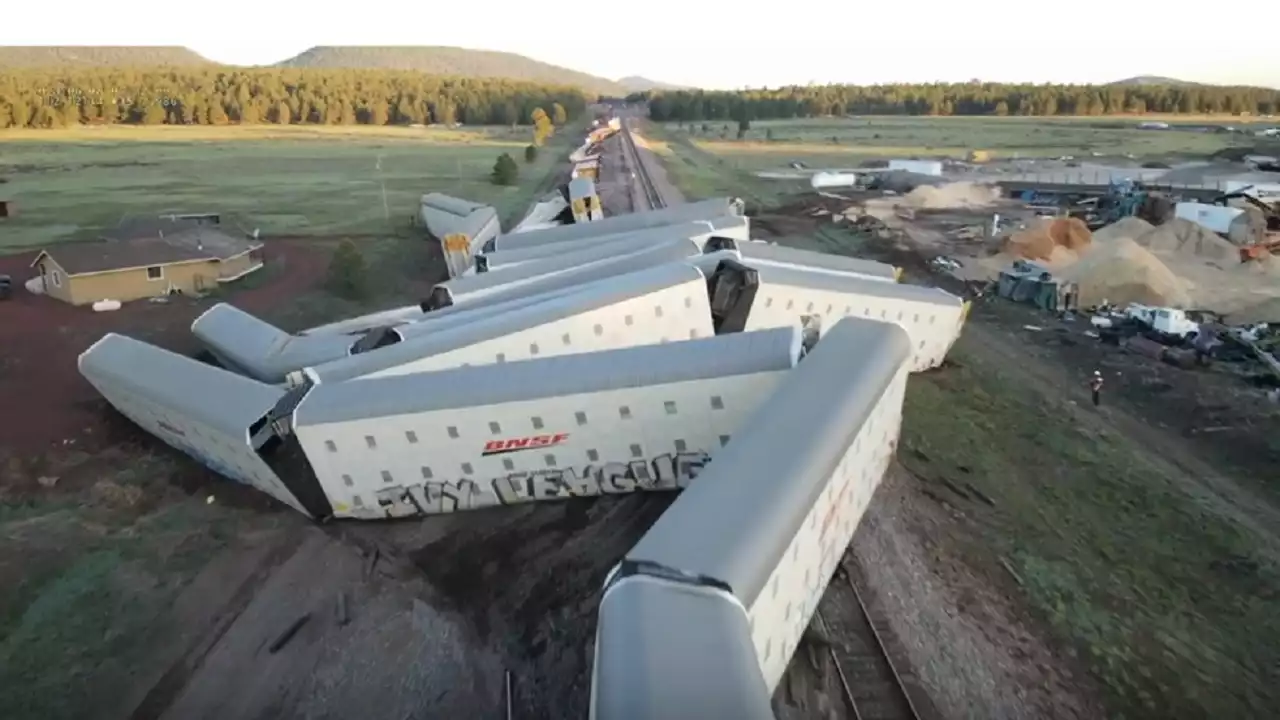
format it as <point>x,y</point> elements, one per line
<point>671,471</point>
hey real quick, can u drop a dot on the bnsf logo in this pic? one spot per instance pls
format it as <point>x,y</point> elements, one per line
<point>498,447</point>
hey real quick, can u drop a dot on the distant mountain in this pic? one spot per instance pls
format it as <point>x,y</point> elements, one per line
<point>635,84</point>
<point>1155,80</point>
<point>452,61</point>
<point>431,60</point>
<point>54,55</point>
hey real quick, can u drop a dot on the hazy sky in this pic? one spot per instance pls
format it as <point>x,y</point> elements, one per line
<point>709,44</point>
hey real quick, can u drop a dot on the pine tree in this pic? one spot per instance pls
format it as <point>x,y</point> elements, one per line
<point>505,171</point>
<point>348,272</point>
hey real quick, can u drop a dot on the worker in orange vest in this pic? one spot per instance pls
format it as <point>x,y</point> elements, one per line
<point>1095,387</point>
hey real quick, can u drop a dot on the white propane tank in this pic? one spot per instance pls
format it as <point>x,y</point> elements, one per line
<point>106,305</point>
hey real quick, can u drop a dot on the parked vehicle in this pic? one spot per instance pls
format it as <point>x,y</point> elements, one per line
<point>6,287</point>
<point>1168,323</point>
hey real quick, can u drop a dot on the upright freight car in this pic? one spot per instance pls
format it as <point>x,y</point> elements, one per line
<point>620,421</point>
<point>702,616</point>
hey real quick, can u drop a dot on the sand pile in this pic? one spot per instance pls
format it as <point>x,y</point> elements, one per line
<point>1267,311</point>
<point>1124,272</point>
<point>1056,240</point>
<point>1130,227</point>
<point>1190,240</point>
<point>952,196</point>
<point>1265,268</point>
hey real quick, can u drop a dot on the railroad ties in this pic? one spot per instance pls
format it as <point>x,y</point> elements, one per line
<point>651,194</point>
<point>863,650</point>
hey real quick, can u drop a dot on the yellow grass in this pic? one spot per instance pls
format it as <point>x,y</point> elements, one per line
<point>658,146</point>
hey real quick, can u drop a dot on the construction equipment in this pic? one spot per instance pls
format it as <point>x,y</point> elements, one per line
<point>1262,236</point>
<point>1269,211</point>
<point>1125,198</point>
<point>1259,250</point>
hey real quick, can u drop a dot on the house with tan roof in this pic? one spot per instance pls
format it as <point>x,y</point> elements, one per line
<point>147,258</point>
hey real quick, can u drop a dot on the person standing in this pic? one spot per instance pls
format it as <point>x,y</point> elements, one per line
<point>1095,387</point>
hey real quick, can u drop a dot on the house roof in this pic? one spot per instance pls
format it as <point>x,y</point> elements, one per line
<point>143,244</point>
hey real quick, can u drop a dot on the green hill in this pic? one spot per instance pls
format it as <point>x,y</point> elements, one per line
<point>62,55</point>
<point>452,61</point>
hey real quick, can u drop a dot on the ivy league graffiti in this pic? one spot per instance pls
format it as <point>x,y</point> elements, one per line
<point>670,471</point>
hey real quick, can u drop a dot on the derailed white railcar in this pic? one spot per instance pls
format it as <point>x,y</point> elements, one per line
<point>461,226</point>
<point>620,421</point>
<point>661,304</point>
<point>765,296</point>
<point>361,323</point>
<point>249,346</point>
<point>671,215</point>
<point>742,558</point>
<point>551,273</point>
<point>710,235</point>
<point>220,419</point>
<point>762,253</point>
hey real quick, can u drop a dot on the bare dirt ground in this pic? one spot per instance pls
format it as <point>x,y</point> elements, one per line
<point>42,338</point>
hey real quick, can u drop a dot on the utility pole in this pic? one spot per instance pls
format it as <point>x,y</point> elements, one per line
<point>386,210</point>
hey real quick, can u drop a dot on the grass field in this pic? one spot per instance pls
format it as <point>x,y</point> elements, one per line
<point>701,173</point>
<point>93,603</point>
<point>1170,604</point>
<point>840,141</point>
<point>285,180</point>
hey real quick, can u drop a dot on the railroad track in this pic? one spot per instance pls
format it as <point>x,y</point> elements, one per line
<point>861,651</point>
<point>652,197</point>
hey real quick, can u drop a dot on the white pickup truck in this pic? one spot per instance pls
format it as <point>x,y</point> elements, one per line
<point>1170,322</point>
